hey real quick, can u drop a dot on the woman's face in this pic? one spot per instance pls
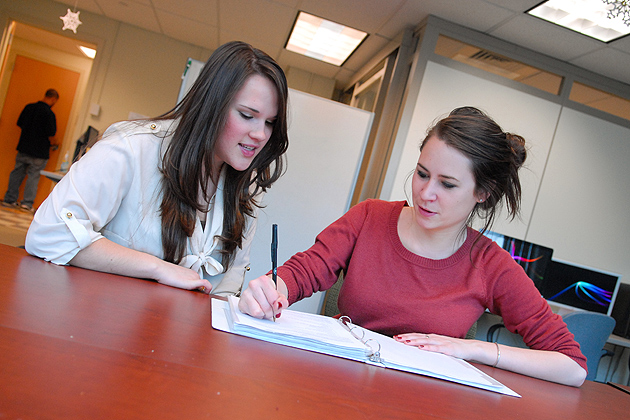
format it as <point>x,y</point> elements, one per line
<point>443,188</point>
<point>250,120</point>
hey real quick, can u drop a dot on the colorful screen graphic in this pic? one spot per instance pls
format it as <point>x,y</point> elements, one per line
<point>532,257</point>
<point>581,287</point>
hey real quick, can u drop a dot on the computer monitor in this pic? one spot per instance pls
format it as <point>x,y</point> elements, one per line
<point>532,257</point>
<point>575,286</point>
<point>87,139</point>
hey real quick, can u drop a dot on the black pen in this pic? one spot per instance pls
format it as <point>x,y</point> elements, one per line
<point>274,258</point>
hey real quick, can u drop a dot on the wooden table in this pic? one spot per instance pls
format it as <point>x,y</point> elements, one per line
<point>81,344</point>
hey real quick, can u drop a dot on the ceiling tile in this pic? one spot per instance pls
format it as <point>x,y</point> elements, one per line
<point>608,62</point>
<point>187,30</point>
<point>364,15</point>
<point>516,5</point>
<point>86,5</point>
<point>473,14</point>
<point>290,3</point>
<point>131,12</point>
<point>271,48</point>
<point>256,20</point>
<point>206,11</point>
<point>291,59</point>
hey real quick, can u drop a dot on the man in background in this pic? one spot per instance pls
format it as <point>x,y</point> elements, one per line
<point>38,124</point>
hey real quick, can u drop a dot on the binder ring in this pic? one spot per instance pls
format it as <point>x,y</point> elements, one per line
<point>373,355</point>
<point>345,320</point>
<point>376,355</point>
<point>355,335</point>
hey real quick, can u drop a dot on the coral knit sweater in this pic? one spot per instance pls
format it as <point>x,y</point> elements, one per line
<point>391,290</point>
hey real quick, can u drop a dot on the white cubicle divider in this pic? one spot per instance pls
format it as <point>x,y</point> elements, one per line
<point>190,74</point>
<point>326,143</point>
<point>529,116</point>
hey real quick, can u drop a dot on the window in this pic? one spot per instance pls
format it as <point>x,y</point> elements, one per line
<point>498,64</point>
<point>366,93</point>
<point>601,100</point>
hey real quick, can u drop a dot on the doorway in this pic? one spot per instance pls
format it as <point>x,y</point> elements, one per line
<point>36,60</point>
<point>29,81</point>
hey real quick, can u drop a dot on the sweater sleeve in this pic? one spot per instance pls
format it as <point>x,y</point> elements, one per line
<point>525,312</point>
<point>318,268</point>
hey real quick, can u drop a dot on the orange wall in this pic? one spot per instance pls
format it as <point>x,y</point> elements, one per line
<point>29,81</point>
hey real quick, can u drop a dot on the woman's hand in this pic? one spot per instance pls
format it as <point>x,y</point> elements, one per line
<point>262,299</point>
<point>182,277</point>
<point>110,257</point>
<point>456,347</point>
<point>548,365</point>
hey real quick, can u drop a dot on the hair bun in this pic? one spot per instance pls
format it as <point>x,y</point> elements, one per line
<point>467,111</point>
<point>517,145</point>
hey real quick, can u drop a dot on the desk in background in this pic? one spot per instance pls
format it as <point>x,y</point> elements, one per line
<point>617,366</point>
<point>76,343</point>
<point>52,175</point>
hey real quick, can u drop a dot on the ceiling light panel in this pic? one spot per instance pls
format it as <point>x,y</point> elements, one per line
<point>323,40</point>
<point>589,17</point>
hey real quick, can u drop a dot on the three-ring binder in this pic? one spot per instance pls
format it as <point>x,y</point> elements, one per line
<point>370,352</point>
<point>341,338</point>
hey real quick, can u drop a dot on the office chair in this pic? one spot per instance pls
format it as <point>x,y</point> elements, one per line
<point>591,330</point>
<point>330,307</point>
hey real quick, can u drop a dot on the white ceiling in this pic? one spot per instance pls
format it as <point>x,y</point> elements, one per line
<point>266,25</point>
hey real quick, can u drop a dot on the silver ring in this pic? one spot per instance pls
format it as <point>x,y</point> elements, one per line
<point>203,288</point>
<point>427,336</point>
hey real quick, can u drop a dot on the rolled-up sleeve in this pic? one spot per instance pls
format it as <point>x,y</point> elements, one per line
<point>84,201</point>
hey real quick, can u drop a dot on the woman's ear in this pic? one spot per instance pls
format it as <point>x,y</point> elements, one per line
<point>482,196</point>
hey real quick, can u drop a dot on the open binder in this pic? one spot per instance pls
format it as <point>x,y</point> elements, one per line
<point>339,337</point>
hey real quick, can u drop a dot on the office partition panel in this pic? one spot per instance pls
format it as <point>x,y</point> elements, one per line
<point>582,209</point>
<point>444,88</point>
<point>326,143</point>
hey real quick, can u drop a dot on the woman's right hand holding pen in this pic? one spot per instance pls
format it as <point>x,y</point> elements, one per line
<point>262,299</point>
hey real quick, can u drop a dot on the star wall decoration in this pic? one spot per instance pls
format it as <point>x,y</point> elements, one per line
<point>70,21</point>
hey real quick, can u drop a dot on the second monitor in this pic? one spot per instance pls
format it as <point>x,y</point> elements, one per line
<point>579,287</point>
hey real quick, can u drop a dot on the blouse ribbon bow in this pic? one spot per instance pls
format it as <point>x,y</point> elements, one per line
<point>203,242</point>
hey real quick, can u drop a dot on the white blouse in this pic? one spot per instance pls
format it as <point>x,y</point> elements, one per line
<point>113,191</point>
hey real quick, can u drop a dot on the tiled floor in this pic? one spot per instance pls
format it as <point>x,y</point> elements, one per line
<point>13,226</point>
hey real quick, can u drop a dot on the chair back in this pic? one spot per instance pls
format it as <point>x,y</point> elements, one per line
<point>330,307</point>
<point>591,330</point>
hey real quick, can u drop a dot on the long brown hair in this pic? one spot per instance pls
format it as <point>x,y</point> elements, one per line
<point>188,159</point>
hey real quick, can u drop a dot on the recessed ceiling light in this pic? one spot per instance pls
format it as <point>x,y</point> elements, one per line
<point>89,52</point>
<point>323,40</point>
<point>589,17</point>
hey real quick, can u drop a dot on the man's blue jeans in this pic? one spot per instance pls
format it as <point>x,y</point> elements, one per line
<point>25,165</point>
